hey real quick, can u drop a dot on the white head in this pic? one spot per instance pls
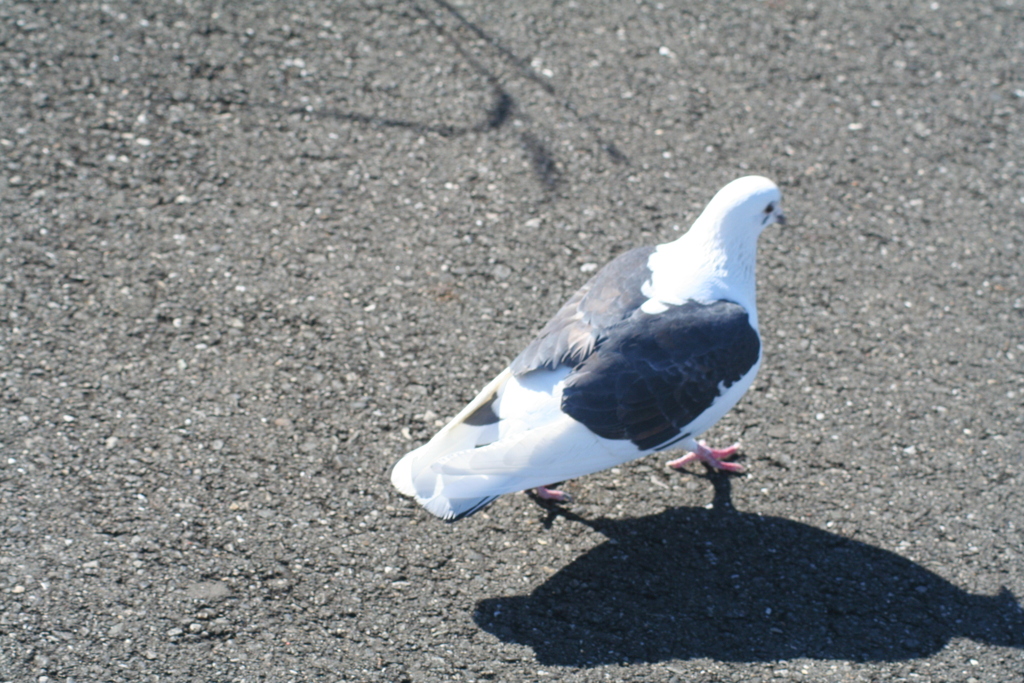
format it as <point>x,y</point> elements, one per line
<point>743,208</point>
<point>716,257</point>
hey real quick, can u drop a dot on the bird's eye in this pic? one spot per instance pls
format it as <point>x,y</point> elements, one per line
<point>769,208</point>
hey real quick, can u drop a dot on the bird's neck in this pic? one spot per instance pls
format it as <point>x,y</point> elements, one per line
<point>704,265</point>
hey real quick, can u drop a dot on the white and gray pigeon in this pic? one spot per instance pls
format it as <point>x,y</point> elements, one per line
<point>651,352</point>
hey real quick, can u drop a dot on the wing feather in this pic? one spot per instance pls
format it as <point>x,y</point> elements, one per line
<point>653,375</point>
<point>605,300</point>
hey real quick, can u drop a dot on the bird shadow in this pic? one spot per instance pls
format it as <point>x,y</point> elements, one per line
<point>735,586</point>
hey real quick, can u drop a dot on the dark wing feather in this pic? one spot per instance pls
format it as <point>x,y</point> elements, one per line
<point>654,374</point>
<point>605,300</point>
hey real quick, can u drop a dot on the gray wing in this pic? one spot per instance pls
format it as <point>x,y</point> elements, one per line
<point>655,374</point>
<point>605,300</point>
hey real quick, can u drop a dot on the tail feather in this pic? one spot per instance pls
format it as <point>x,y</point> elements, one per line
<point>457,435</point>
<point>454,509</point>
<point>457,484</point>
<point>466,465</point>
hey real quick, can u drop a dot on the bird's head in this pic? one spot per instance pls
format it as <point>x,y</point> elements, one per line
<point>745,207</point>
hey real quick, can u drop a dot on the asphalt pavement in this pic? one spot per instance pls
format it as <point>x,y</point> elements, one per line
<point>251,253</point>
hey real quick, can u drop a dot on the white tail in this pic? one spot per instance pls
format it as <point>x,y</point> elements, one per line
<point>454,436</point>
<point>466,466</point>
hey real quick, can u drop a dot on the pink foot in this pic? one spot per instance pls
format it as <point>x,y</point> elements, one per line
<point>544,493</point>
<point>713,458</point>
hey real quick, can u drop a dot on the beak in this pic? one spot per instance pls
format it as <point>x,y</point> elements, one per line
<point>780,218</point>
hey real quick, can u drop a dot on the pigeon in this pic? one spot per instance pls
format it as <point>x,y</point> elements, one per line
<point>647,355</point>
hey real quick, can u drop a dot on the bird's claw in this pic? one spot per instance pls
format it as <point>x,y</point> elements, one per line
<point>544,493</point>
<point>712,457</point>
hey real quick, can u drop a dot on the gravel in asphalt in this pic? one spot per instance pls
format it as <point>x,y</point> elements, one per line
<point>251,253</point>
